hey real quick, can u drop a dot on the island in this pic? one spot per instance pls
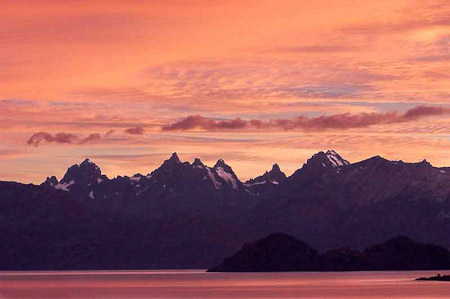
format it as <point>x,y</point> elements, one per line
<point>280,252</point>
<point>438,277</point>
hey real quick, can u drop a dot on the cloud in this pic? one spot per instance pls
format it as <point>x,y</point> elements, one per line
<point>63,138</point>
<point>326,122</point>
<point>314,49</point>
<point>17,102</point>
<point>91,138</point>
<point>237,79</point>
<point>75,28</point>
<point>421,18</point>
<point>37,138</point>
<point>109,133</point>
<point>135,130</point>
<point>424,111</point>
<point>434,58</point>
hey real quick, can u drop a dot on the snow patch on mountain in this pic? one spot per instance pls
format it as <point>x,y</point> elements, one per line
<point>228,177</point>
<point>216,183</point>
<point>64,186</point>
<point>255,183</point>
<point>135,178</point>
<point>335,159</point>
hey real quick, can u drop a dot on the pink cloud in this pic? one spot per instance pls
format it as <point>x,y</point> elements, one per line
<point>320,123</point>
<point>423,111</point>
<point>37,138</point>
<point>63,138</point>
<point>135,130</point>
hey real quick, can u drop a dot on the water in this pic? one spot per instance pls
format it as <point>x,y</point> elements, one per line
<point>198,284</point>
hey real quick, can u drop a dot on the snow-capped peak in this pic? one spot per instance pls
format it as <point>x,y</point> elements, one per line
<point>335,159</point>
<point>221,174</point>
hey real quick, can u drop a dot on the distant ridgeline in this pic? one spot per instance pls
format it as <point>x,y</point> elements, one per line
<point>280,252</point>
<point>190,215</point>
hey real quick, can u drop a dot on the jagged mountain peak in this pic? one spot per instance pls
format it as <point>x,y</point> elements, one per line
<point>86,172</point>
<point>317,157</point>
<point>424,162</point>
<point>224,174</point>
<point>51,181</point>
<point>172,161</point>
<point>326,159</point>
<point>198,163</point>
<point>376,160</point>
<point>88,165</point>
<point>274,176</point>
<point>335,159</point>
<point>86,162</point>
<point>220,163</point>
<point>174,158</point>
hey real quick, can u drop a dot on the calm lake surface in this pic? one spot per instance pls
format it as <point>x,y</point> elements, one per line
<point>198,284</point>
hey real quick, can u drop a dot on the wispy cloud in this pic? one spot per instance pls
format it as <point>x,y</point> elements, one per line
<point>109,133</point>
<point>90,138</point>
<point>313,49</point>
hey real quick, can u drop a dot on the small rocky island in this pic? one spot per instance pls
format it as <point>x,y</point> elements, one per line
<point>438,277</point>
<point>282,252</point>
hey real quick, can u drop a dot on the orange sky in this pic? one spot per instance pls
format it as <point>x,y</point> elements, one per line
<point>110,75</point>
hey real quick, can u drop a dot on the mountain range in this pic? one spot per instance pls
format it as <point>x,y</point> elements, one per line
<point>189,215</point>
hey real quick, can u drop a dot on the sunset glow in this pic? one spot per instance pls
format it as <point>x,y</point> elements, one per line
<point>126,83</point>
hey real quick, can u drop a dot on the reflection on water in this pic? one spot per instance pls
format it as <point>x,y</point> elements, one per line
<point>198,284</point>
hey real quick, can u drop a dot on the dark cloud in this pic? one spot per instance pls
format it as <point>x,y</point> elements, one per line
<point>37,138</point>
<point>135,130</point>
<point>198,121</point>
<point>423,111</point>
<point>320,123</point>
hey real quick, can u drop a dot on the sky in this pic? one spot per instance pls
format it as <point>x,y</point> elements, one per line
<point>126,83</point>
